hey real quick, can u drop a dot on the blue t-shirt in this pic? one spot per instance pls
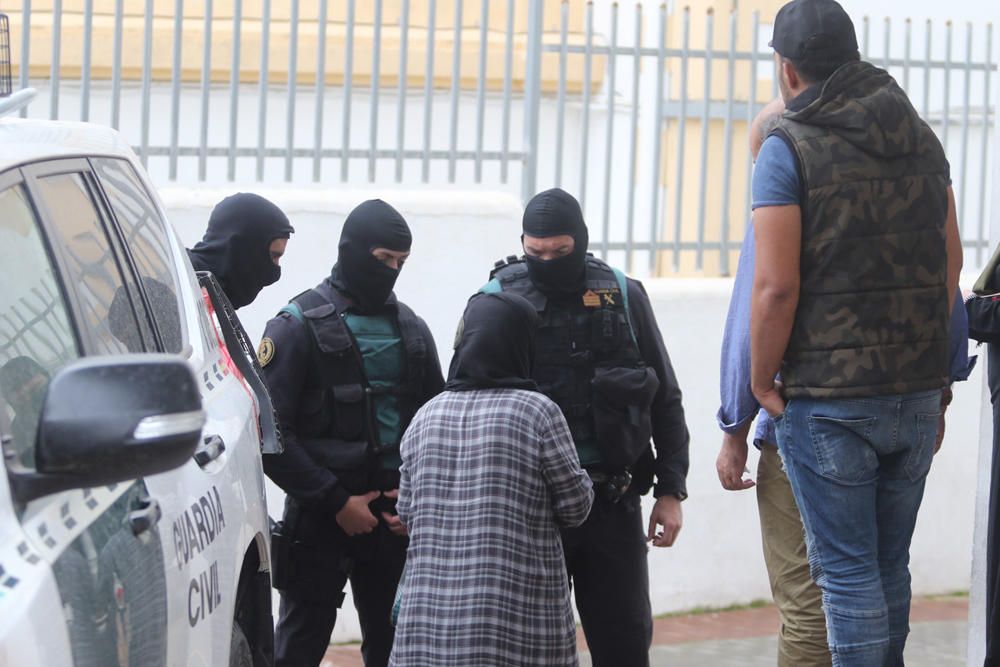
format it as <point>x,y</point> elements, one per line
<point>776,175</point>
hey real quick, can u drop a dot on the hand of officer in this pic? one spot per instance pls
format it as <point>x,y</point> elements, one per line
<point>667,513</point>
<point>732,463</point>
<point>393,521</point>
<point>355,517</point>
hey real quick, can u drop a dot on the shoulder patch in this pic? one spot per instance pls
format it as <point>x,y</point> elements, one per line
<point>265,351</point>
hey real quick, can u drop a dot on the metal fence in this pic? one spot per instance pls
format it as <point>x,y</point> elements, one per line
<point>642,114</point>
<point>691,222</point>
<point>36,327</point>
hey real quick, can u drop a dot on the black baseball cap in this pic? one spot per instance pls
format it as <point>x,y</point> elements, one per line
<point>814,29</point>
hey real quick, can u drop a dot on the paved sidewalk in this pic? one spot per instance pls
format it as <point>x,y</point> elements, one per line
<point>748,638</point>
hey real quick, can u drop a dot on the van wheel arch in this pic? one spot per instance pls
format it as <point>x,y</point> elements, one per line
<point>253,603</point>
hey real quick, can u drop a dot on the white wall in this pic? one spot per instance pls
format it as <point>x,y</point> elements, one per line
<point>977,602</point>
<point>457,236</point>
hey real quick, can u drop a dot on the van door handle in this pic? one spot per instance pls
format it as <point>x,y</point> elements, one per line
<point>209,450</point>
<point>145,517</point>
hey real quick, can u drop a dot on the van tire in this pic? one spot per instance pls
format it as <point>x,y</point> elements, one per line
<point>240,654</point>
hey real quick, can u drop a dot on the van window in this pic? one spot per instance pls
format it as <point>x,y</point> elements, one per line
<point>147,242</point>
<point>107,308</point>
<point>36,339</point>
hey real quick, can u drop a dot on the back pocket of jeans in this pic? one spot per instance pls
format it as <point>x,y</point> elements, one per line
<point>918,462</point>
<point>842,448</point>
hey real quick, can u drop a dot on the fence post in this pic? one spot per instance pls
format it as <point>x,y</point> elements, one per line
<point>532,99</point>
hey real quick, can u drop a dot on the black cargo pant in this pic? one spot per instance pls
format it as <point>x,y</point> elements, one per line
<point>321,560</point>
<point>606,562</point>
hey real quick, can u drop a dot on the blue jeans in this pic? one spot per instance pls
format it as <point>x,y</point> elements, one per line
<point>857,468</point>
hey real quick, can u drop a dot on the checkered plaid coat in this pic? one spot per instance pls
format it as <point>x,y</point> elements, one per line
<point>488,476</point>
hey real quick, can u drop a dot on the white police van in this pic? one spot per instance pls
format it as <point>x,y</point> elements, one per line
<point>133,526</point>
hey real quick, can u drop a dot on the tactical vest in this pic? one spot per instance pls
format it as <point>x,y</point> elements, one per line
<point>350,438</point>
<point>576,336</point>
<point>872,315</point>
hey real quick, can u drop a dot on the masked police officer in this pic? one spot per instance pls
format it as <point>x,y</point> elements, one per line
<point>601,358</point>
<point>348,366</point>
<point>246,237</point>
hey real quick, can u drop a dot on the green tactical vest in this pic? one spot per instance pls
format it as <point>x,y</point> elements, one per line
<point>372,370</point>
<point>381,349</point>
<point>872,316</point>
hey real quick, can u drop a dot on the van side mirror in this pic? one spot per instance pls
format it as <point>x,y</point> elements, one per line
<point>113,419</point>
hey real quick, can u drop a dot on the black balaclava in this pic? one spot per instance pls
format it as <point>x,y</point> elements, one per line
<point>369,282</point>
<point>495,345</point>
<point>236,247</point>
<point>553,213</point>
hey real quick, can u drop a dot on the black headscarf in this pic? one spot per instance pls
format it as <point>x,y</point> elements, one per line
<point>236,247</point>
<point>553,213</point>
<point>369,282</point>
<point>495,345</point>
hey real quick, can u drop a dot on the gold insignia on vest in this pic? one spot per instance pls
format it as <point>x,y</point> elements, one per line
<point>591,300</point>
<point>609,298</point>
<point>265,352</point>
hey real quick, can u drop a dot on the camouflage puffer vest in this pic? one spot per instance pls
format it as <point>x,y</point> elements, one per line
<point>872,317</point>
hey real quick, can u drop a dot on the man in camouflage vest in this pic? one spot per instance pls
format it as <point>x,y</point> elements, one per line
<point>858,257</point>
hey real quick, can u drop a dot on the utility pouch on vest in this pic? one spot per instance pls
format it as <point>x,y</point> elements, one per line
<point>350,410</point>
<point>621,403</point>
<point>337,454</point>
<point>348,459</point>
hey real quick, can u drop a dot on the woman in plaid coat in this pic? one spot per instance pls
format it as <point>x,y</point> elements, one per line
<point>489,475</point>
